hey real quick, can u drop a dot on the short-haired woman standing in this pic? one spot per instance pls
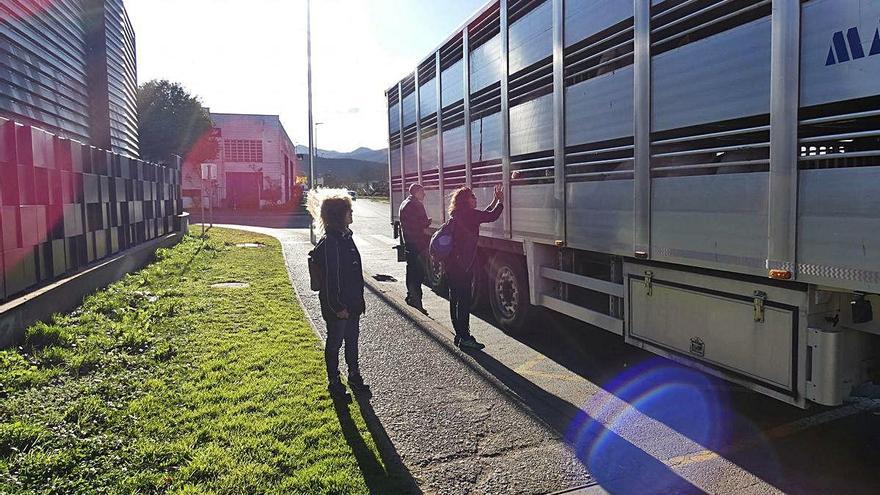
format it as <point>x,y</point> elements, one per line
<point>342,290</point>
<point>466,221</point>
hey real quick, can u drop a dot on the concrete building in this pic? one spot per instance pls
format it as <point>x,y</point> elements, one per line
<point>69,67</point>
<point>256,166</point>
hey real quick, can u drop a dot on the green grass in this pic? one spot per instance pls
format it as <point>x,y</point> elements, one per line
<point>162,384</point>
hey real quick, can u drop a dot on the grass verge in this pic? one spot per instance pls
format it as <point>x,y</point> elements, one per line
<point>161,384</point>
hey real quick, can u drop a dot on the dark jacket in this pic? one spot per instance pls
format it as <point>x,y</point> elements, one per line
<point>466,232</point>
<point>343,286</point>
<point>413,222</point>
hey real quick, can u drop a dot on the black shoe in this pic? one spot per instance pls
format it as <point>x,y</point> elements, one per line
<point>356,382</point>
<point>416,304</point>
<point>338,393</point>
<point>470,343</point>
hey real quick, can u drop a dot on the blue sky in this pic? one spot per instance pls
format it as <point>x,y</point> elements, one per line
<point>248,56</point>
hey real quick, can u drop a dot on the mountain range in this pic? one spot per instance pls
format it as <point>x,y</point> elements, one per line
<point>360,166</point>
<point>363,154</point>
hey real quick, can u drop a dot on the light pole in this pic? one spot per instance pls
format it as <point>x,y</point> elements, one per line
<point>311,125</point>
<point>317,150</point>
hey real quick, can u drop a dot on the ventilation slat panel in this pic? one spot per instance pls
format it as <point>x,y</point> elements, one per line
<point>453,147</point>
<point>429,153</point>
<point>844,134</point>
<point>486,138</point>
<point>428,98</point>
<point>453,116</point>
<point>394,118</point>
<point>453,84</point>
<point>531,37</point>
<point>531,126</point>
<point>395,161</point>
<point>600,109</point>
<point>585,18</point>
<point>486,64</point>
<point>409,107</point>
<point>688,82</point>
<point>740,146</point>
<point>410,158</point>
<point>676,24</point>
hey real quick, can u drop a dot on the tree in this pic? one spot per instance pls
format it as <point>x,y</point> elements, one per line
<point>173,122</point>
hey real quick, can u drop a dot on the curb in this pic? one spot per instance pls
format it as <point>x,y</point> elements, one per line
<point>299,299</point>
<point>577,489</point>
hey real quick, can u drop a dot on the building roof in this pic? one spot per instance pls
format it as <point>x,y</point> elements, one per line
<point>255,116</point>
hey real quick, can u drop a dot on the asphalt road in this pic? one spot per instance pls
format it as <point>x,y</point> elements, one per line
<point>571,405</point>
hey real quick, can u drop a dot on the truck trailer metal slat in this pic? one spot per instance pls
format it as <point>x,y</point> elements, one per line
<point>857,115</point>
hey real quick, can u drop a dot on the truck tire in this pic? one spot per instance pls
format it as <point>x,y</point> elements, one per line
<point>509,293</point>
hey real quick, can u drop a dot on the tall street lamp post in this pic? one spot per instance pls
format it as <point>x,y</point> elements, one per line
<point>311,120</point>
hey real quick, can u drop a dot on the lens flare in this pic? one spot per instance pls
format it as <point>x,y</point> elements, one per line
<point>659,419</point>
<point>616,434</point>
<point>33,9</point>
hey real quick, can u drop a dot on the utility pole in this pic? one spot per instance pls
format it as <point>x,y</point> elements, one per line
<point>317,150</point>
<point>311,119</point>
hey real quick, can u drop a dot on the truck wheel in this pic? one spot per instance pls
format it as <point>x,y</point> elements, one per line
<point>509,293</point>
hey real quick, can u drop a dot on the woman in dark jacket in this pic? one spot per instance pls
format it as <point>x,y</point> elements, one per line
<point>341,294</point>
<point>466,221</point>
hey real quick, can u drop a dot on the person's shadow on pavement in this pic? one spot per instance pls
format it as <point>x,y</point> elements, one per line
<point>385,475</point>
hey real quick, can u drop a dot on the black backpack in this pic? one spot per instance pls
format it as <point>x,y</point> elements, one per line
<point>316,266</point>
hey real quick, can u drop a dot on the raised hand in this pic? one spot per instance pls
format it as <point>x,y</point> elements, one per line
<point>499,193</point>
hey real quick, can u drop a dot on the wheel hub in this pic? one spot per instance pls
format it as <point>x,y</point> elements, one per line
<point>507,292</point>
<point>436,272</point>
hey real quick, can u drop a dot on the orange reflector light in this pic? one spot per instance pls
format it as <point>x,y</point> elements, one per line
<point>780,274</point>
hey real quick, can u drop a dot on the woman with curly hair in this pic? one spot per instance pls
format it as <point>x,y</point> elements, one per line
<point>342,288</point>
<point>466,221</point>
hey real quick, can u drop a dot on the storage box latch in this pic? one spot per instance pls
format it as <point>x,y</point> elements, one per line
<point>759,301</point>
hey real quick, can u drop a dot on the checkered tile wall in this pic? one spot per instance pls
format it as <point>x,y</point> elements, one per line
<point>64,205</point>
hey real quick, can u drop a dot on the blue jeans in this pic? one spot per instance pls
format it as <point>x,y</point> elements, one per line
<point>339,331</point>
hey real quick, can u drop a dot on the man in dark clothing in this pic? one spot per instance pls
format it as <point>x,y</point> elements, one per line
<point>341,295</point>
<point>466,221</point>
<point>413,221</point>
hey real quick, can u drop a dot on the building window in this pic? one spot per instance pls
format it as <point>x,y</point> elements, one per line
<point>243,150</point>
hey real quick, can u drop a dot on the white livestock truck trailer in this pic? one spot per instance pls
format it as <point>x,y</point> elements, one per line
<point>701,177</point>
